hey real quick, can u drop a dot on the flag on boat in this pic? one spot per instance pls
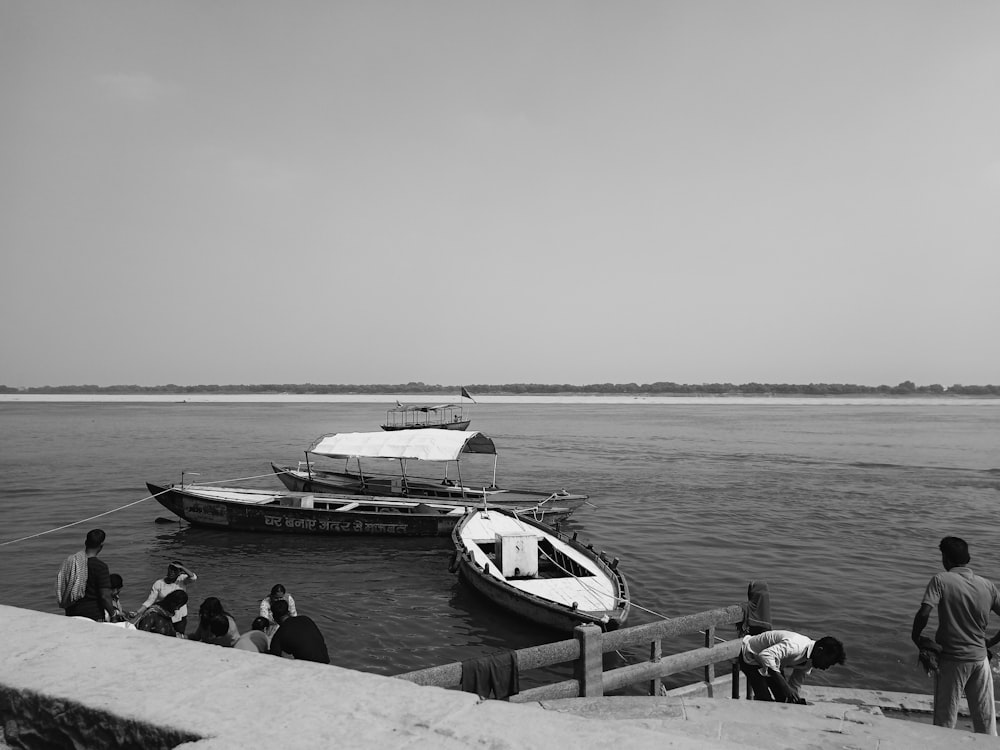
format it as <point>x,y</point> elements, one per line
<point>465,394</point>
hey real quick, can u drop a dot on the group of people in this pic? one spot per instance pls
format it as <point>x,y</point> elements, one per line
<point>86,588</point>
<point>958,656</point>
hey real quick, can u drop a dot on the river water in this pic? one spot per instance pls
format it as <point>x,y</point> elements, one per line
<point>837,503</point>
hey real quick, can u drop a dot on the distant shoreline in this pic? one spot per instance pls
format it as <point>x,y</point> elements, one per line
<point>388,401</point>
<point>907,389</point>
<point>436,397</point>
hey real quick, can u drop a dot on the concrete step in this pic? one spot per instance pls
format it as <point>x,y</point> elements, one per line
<point>847,719</point>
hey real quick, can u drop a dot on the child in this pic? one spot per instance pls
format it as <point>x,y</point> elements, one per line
<point>119,614</point>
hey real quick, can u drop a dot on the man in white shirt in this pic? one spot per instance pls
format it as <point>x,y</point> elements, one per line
<point>764,658</point>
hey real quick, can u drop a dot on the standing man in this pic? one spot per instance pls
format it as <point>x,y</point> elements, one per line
<point>297,637</point>
<point>176,579</point>
<point>764,658</point>
<point>83,585</point>
<point>964,602</point>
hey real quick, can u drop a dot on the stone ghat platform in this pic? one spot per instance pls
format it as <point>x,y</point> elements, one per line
<point>71,683</point>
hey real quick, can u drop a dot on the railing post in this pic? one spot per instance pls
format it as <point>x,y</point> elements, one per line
<point>655,654</point>
<point>589,668</point>
<point>710,668</point>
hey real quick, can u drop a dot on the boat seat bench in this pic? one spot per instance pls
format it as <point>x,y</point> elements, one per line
<point>345,508</point>
<point>586,591</point>
<point>250,498</point>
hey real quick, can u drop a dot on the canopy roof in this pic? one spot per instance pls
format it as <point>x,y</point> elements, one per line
<point>425,444</point>
<point>423,407</point>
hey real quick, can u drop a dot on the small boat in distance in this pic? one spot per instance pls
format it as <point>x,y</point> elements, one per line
<point>241,509</point>
<point>441,446</point>
<point>422,417</point>
<point>538,573</point>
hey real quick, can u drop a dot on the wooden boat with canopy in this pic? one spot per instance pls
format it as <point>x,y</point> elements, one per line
<point>421,417</point>
<point>400,447</point>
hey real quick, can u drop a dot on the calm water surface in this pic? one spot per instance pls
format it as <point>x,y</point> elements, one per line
<point>838,506</point>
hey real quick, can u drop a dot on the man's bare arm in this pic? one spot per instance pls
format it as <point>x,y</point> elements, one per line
<point>920,621</point>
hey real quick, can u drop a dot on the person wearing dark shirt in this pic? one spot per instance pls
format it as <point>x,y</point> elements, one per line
<point>96,602</point>
<point>297,637</point>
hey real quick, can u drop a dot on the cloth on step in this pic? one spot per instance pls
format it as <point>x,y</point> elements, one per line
<point>71,581</point>
<point>757,616</point>
<point>496,674</point>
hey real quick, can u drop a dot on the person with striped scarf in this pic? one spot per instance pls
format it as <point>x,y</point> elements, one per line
<point>83,583</point>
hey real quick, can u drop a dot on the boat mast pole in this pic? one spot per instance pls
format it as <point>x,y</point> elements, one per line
<point>402,472</point>
<point>308,466</point>
<point>458,469</point>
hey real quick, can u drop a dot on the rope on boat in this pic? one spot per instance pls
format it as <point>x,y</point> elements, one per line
<point>656,614</point>
<point>631,602</point>
<point>115,510</point>
<point>664,617</point>
<point>592,590</point>
<point>84,520</point>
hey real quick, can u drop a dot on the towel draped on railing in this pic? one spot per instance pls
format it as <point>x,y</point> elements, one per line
<point>494,675</point>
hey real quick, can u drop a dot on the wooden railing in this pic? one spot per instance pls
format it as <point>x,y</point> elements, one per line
<point>589,644</point>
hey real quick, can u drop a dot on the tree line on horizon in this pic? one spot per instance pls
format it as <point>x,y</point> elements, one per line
<point>907,387</point>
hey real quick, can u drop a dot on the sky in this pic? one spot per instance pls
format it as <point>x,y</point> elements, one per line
<point>519,192</point>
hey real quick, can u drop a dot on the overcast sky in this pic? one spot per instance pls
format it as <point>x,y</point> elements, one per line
<point>499,192</point>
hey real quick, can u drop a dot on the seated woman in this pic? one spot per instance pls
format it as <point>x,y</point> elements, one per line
<point>158,618</point>
<point>277,593</point>
<point>215,625</point>
<point>256,638</point>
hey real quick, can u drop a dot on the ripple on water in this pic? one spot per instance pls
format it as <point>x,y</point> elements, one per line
<point>838,508</point>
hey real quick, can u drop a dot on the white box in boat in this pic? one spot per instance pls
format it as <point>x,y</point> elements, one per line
<point>517,555</point>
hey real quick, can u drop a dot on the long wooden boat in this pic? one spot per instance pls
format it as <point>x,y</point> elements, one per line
<point>539,573</point>
<point>422,416</point>
<point>446,447</point>
<point>241,509</point>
